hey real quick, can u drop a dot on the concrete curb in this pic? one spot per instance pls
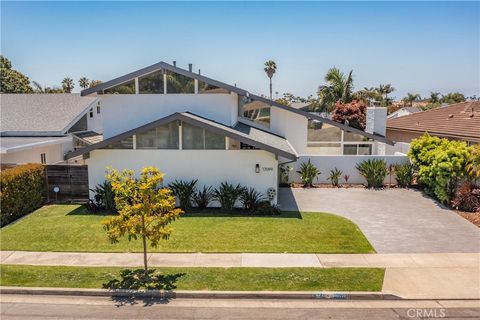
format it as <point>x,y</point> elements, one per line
<point>309,295</point>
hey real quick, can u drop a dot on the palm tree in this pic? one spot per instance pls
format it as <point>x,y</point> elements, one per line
<point>84,83</point>
<point>410,98</point>
<point>270,69</point>
<point>68,85</point>
<point>339,88</point>
<point>434,97</point>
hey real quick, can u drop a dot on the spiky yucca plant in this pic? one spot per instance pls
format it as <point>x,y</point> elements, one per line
<point>308,172</point>
<point>227,194</point>
<point>374,171</point>
<point>184,191</point>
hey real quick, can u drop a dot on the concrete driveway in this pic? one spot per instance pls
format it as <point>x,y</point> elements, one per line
<point>393,220</point>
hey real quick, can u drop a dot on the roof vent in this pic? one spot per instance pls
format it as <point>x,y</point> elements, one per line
<point>450,116</point>
<point>198,71</point>
<point>190,66</point>
<point>174,63</point>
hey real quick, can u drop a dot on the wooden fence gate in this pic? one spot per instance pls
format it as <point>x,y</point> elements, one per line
<point>71,181</point>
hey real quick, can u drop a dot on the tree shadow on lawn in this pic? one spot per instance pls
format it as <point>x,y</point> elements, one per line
<point>238,213</point>
<point>159,285</point>
<point>83,211</point>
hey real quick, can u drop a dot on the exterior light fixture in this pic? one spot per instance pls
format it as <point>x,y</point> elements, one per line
<point>257,168</point>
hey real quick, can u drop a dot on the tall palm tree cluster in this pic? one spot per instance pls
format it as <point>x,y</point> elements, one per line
<point>67,85</point>
<point>339,88</point>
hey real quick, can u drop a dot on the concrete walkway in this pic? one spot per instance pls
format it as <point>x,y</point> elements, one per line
<point>413,276</point>
<point>261,260</point>
<point>393,220</point>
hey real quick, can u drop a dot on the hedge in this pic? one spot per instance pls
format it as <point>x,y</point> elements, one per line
<point>22,190</point>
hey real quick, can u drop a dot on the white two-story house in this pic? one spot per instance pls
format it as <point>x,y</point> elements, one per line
<point>194,127</point>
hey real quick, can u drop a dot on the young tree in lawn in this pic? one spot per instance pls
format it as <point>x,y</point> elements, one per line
<point>354,113</point>
<point>145,209</point>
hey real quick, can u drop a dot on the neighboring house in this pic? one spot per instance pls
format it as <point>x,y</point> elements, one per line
<point>404,112</point>
<point>41,128</point>
<point>194,127</point>
<point>460,121</point>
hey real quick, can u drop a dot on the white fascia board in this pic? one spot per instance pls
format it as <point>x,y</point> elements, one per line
<point>34,145</point>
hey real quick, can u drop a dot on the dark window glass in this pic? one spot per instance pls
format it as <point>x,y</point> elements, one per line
<point>162,137</point>
<point>350,149</point>
<point>214,141</point>
<point>126,143</point>
<point>124,88</point>
<point>350,136</point>
<point>320,131</point>
<point>208,88</point>
<point>81,125</point>
<point>177,83</point>
<point>365,149</point>
<point>151,83</point>
<point>256,111</point>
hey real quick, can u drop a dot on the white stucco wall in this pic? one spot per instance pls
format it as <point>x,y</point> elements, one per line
<point>345,163</point>
<point>96,122</point>
<point>53,153</point>
<point>122,112</point>
<point>210,167</point>
<point>291,126</point>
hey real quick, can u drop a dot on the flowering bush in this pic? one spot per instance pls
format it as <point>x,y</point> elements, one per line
<point>441,164</point>
<point>353,112</point>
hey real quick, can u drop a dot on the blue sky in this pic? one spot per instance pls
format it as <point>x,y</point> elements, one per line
<point>415,46</point>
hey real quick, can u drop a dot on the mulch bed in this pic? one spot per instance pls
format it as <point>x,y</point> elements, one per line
<point>473,217</point>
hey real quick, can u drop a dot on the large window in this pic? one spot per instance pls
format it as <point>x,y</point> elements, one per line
<point>194,137</point>
<point>326,139</point>
<point>204,87</point>
<point>162,137</point>
<point>256,111</point>
<point>126,143</point>
<point>124,88</point>
<point>151,83</point>
<point>177,83</point>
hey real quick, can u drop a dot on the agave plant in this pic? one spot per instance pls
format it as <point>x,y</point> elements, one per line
<point>104,196</point>
<point>404,173</point>
<point>346,177</point>
<point>203,197</point>
<point>334,177</point>
<point>374,171</point>
<point>227,194</point>
<point>308,172</point>
<point>251,199</point>
<point>184,191</point>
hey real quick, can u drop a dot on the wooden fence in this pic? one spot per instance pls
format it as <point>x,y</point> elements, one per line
<point>71,181</point>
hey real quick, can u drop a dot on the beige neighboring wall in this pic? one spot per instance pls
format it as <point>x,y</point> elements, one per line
<point>54,153</point>
<point>402,136</point>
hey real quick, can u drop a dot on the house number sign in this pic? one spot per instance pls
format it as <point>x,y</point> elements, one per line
<point>267,169</point>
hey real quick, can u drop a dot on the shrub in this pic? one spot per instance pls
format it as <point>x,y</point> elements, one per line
<point>203,197</point>
<point>335,175</point>
<point>104,196</point>
<point>346,177</point>
<point>251,199</point>
<point>265,208</point>
<point>374,171</point>
<point>473,163</point>
<point>184,191</point>
<point>404,173</point>
<point>227,194</point>
<point>22,191</point>
<point>308,172</point>
<point>441,164</point>
<point>467,198</point>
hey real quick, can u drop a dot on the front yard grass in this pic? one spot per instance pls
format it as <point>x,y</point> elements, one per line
<point>241,279</point>
<point>72,228</point>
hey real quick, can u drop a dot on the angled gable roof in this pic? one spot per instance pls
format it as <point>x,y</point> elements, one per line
<point>213,82</point>
<point>41,114</point>
<point>241,132</point>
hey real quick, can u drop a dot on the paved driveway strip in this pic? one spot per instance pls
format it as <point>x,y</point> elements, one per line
<point>393,220</point>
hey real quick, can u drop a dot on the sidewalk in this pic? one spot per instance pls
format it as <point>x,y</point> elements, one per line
<point>412,276</point>
<point>263,260</point>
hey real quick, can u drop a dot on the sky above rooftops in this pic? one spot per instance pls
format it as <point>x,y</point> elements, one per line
<point>416,46</point>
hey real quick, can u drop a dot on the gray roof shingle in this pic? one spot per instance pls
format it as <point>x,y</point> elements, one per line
<point>41,114</point>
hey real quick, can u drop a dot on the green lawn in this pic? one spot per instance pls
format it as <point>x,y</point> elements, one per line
<point>242,279</point>
<point>71,228</point>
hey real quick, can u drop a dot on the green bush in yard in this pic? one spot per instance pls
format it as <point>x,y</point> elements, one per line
<point>374,171</point>
<point>22,191</point>
<point>227,194</point>
<point>441,164</point>
<point>404,173</point>
<point>308,172</point>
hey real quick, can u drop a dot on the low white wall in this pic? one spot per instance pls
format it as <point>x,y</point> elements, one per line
<point>210,167</point>
<point>345,163</point>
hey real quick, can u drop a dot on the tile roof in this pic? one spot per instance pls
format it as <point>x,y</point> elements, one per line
<point>41,114</point>
<point>460,120</point>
